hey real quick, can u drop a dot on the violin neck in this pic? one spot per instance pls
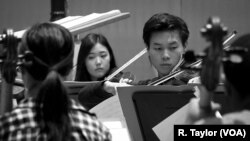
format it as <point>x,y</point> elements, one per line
<point>6,97</point>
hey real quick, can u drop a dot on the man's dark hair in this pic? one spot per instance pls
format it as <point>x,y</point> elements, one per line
<point>165,22</point>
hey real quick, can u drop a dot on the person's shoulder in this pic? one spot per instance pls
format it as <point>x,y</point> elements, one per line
<point>77,106</point>
<point>79,112</point>
<point>88,123</point>
<point>23,108</point>
<point>21,116</point>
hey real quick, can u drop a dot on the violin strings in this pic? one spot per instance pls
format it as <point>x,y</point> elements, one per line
<point>230,37</point>
<point>126,64</point>
<point>173,74</point>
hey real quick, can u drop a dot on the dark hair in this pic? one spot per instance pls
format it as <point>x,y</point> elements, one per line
<point>239,72</point>
<point>51,46</point>
<point>88,42</point>
<point>165,22</point>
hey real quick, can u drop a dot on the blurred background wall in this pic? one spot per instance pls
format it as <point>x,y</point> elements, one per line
<point>125,36</point>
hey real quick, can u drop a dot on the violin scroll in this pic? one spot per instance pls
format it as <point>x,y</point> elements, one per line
<point>8,57</point>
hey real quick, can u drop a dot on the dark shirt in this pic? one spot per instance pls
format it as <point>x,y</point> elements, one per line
<point>93,94</point>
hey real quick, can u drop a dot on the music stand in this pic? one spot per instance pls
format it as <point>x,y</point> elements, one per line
<point>146,106</point>
<point>164,129</point>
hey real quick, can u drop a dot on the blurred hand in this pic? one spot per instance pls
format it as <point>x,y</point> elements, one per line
<point>196,112</point>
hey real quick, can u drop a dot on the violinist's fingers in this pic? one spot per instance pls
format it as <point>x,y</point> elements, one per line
<point>218,114</point>
<point>110,87</point>
<point>124,80</point>
<point>215,106</point>
<point>121,80</point>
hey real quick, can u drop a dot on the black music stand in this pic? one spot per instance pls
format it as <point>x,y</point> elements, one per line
<point>146,106</point>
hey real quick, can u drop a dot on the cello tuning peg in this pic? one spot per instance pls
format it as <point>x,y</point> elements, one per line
<point>224,29</point>
<point>235,55</point>
<point>203,30</point>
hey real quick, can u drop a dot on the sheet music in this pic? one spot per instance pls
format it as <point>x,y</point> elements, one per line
<point>118,132</point>
<point>109,109</point>
<point>67,19</point>
<point>19,34</point>
<point>84,20</point>
<point>77,24</point>
<point>165,129</point>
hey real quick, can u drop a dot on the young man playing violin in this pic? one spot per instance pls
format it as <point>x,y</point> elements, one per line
<point>166,36</point>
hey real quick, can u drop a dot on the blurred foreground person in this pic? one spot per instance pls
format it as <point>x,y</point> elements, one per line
<point>236,71</point>
<point>47,113</point>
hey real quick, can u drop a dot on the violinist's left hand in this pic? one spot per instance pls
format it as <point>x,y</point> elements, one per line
<point>126,80</point>
<point>110,87</point>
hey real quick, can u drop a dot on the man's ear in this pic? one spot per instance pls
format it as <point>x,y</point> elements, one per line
<point>184,50</point>
<point>149,58</point>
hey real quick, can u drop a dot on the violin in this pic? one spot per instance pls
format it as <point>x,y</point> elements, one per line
<point>118,77</point>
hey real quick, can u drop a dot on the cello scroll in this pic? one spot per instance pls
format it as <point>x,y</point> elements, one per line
<point>212,58</point>
<point>8,57</point>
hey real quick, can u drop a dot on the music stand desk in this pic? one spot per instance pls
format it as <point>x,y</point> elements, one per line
<point>127,97</point>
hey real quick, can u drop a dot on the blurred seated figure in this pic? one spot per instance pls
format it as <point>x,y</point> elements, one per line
<point>236,72</point>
